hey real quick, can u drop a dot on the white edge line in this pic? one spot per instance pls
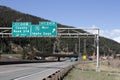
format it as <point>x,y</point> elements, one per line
<point>14,70</point>
<point>31,75</point>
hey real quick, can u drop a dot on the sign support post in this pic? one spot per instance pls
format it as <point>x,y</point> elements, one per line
<point>97,65</point>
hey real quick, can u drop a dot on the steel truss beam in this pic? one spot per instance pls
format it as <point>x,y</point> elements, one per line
<point>65,33</point>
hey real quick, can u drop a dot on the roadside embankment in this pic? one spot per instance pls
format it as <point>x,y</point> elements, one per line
<point>87,71</point>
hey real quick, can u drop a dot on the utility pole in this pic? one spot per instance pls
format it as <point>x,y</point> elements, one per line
<point>79,54</point>
<point>1,48</point>
<point>85,46</point>
<point>67,49</point>
<point>97,66</point>
<point>56,45</point>
<point>76,48</point>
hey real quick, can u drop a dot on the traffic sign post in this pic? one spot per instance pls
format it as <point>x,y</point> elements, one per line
<point>84,63</point>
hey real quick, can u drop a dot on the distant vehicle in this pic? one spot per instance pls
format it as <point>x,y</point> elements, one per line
<point>74,59</point>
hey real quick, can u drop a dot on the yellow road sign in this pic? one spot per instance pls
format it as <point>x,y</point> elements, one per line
<point>84,57</point>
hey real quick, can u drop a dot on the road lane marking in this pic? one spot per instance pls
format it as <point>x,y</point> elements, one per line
<point>31,75</point>
<point>13,70</point>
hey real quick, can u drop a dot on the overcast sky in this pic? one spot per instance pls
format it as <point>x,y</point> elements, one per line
<point>103,14</point>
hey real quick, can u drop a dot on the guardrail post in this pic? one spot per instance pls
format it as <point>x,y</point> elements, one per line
<point>58,58</point>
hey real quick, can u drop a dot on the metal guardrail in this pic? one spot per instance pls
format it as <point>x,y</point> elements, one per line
<point>59,75</point>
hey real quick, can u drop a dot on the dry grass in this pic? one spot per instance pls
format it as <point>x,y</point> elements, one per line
<point>110,66</point>
<point>87,71</point>
<point>11,57</point>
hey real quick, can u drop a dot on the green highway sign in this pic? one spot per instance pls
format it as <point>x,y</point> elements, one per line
<point>48,29</point>
<point>21,29</point>
<point>36,30</point>
<point>25,29</point>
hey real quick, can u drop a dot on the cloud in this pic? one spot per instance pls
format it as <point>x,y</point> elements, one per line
<point>112,34</point>
<point>93,29</point>
<point>117,39</point>
<point>115,32</point>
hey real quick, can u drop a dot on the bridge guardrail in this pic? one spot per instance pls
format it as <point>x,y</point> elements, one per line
<point>59,75</point>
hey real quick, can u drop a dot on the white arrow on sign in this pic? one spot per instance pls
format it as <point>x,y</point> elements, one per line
<point>53,30</point>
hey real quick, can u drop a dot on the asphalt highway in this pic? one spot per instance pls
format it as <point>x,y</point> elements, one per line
<point>31,71</point>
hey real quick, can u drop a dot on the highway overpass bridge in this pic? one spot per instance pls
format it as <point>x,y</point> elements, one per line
<point>56,55</point>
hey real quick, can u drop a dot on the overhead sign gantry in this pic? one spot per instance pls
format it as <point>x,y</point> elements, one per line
<point>49,29</point>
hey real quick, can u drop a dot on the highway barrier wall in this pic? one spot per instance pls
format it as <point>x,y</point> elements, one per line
<point>59,75</point>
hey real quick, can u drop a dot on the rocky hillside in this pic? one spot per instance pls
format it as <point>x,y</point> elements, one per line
<point>8,15</point>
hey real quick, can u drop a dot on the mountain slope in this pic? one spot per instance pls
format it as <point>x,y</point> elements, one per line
<point>8,15</point>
